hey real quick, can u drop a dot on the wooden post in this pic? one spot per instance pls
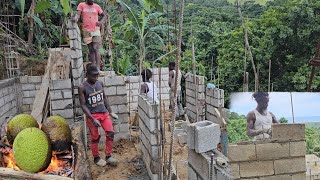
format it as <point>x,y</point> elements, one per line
<point>313,69</point>
<point>269,75</point>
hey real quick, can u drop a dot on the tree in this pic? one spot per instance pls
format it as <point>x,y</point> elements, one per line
<point>283,120</point>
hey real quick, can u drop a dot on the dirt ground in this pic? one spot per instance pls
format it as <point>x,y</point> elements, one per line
<point>131,165</point>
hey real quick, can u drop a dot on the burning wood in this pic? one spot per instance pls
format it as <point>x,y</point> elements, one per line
<point>61,164</point>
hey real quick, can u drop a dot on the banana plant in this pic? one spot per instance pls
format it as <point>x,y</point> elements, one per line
<point>142,27</point>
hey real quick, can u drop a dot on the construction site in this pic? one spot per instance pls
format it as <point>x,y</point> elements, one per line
<point>150,142</point>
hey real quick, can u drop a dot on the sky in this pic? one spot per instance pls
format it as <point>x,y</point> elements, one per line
<point>306,106</point>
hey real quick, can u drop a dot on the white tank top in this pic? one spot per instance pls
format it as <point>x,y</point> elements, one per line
<point>179,80</point>
<point>262,122</point>
<point>153,90</point>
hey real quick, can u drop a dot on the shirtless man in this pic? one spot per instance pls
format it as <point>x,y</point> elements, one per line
<point>260,120</point>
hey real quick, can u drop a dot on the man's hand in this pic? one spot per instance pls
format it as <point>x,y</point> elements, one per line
<point>95,122</point>
<point>99,24</point>
<point>113,115</point>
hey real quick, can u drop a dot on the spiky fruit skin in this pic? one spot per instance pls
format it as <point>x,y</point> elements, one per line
<point>59,133</point>
<point>19,123</point>
<point>32,150</point>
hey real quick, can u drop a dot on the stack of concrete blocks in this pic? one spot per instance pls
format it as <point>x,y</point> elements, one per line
<point>9,98</point>
<point>116,92</point>
<point>282,157</point>
<point>203,138</point>
<point>76,63</point>
<point>149,125</point>
<point>29,85</point>
<point>133,92</point>
<point>195,97</point>
<point>214,102</point>
<point>61,99</point>
<point>162,84</point>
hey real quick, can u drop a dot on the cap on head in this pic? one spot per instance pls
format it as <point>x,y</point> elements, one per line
<point>258,95</point>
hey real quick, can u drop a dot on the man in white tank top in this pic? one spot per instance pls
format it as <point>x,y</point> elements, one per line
<point>171,81</point>
<point>148,87</point>
<point>260,120</point>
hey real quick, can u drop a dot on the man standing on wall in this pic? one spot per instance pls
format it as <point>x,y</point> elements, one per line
<point>91,28</point>
<point>94,104</point>
<point>172,74</point>
<point>260,120</point>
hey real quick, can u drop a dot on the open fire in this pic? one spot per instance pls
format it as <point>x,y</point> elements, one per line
<point>61,164</point>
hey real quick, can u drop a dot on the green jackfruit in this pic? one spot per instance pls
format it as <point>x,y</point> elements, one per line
<point>19,123</point>
<point>32,150</point>
<point>59,133</point>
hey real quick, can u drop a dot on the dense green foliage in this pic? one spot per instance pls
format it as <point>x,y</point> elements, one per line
<point>283,31</point>
<point>237,128</point>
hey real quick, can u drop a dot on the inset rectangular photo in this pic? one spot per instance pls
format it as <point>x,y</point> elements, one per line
<point>273,128</point>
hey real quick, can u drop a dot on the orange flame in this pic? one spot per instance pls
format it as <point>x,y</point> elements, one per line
<point>9,159</point>
<point>55,165</point>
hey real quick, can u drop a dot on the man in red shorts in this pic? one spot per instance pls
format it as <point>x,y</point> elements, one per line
<point>94,104</point>
<point>91,28</point>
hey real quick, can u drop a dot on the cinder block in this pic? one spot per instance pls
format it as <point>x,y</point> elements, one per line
<point>153,150</point>
<point>121,135</point>
<point>293,165</point>
<point>192,174</point>
<point>191,136</point>
<point>23,79</point>
<point>152,138</point>
<point>60,84</point>
<point>151,110</point>
<point>150,123</point>
<point>278,177</point>
<point>200,162</point>
<point>123,108</point>
<point>110,91</point>
<point>205,130</point>
<point>62,104</point>
<point>245,152</point>
<point>299,176</point>
<point>29,87</point>
<point>287,132</point>
<point>256,168</point>
<point>65,113</point>
<point>271,151</point>
<point>124,127</point>
<point>235,170</point>
<point>121,90</point>
<point>298,148</point>
<point>123,118</point>
<point>132,79</point>
<point>117,100</point>
<point>61,94</point>
<point>34,79</point>
<point>27,100</point>
<point>147,162</point>
<point>182,138</point>
<point>115,80</point>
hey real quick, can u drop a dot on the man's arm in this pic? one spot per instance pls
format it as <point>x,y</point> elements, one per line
<point>274,120</point>
<point>77,16</point>
<point>171,77</point>
<point>143,88</point>
<point>103,19</point>
<point>251,119</point>
<point>85,108</point>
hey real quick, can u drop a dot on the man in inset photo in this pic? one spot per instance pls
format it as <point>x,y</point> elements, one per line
<point>260,120</point>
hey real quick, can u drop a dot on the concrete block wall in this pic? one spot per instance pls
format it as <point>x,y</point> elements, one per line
<point>75,53</point>
<point>282,157</point>
<point>214,102</point>
<point>29,86</point>
<point>134,89</point>
<point>195,96</point>
<point>150,143</point>
<point>116,92</point>
<point>62,99</point>
<point>199,166</point>
<point>9,98</point>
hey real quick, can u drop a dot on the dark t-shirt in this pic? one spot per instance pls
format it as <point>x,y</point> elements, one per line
<point>94,97</point>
